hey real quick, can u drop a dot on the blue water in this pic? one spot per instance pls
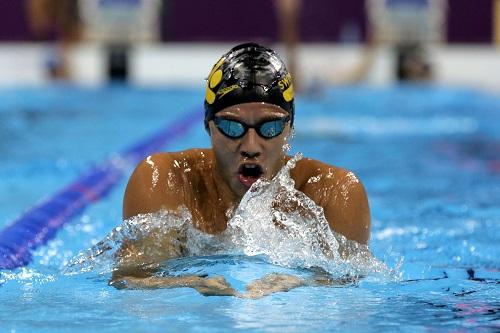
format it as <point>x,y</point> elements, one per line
<point>428,157</point>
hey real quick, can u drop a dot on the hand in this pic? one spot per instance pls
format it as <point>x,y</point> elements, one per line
<point>215,286</point>
<point>270,284</point>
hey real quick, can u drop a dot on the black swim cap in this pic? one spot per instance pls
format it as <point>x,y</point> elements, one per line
<point>248,73</point>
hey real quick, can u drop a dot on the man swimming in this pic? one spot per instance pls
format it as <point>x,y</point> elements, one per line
<point>249,114</point>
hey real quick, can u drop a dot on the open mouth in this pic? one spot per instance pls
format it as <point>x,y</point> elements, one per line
<point>249,173</point>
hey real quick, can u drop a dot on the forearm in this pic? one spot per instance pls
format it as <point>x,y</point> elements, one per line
<point>142,257</point>
<point>154,282</point>
<point>273,283</point>
<point>215,286</point>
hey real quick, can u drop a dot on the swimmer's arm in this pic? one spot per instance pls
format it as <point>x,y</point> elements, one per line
<point>141,257</point>
<point>155,184</point>
<point>156,244</point>
<point>131,272</point>
<point>274,282</point>
<point>138,261</point>
<point>349,213</point>
<point>214,286</point>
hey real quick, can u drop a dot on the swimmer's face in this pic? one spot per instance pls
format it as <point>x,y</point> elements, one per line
<point>241,161</point>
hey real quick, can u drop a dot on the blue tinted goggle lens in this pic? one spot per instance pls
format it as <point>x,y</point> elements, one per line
<point>266,129</point>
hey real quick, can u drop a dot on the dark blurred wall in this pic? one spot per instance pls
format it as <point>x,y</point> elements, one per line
<point>230,20</point>
<point>13,22</point>
<point>470,21</point>
<point>219,20</point>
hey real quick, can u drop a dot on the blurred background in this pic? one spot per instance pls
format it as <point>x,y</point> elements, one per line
<point>155,42</point>
<point>405,93</point>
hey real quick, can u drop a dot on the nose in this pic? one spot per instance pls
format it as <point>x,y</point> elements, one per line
<point>250,146</point>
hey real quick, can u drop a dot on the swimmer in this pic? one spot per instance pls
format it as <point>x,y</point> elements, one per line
<point>249,114</point>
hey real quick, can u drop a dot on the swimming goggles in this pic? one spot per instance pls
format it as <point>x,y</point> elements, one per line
<point>266,129</point>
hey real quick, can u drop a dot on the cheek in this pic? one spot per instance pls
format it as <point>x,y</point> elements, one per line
<point>278,154</point>
<point>223,151</point>
<point>287,134</point>
<point>221,145</point>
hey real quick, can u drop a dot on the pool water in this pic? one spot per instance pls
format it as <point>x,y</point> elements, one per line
<point>429,159</point>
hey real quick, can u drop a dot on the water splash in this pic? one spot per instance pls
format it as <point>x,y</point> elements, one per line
<point>273,220</point>
<point>283,224</point>
<point>26,275</point>
<point>104,255</point>
<point>287,147</point>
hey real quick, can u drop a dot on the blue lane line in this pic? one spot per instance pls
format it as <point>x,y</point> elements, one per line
<point>40,223</point>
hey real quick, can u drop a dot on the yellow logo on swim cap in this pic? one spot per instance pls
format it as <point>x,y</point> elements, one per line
<point>209,96</point>
<point>214,78</point>
<point>288,94</point>
<point>286,87</point>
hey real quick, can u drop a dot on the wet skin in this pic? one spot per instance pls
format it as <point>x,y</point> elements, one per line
<point>211,182</point>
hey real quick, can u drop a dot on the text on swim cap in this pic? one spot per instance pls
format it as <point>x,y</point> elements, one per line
<point>286,87</point>
<point>226,90</point>
<point>285,82</point>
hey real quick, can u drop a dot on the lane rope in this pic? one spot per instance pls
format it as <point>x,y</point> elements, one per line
<point>41,222</point>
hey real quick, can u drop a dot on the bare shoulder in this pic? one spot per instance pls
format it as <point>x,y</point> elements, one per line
<point>340,193</point>
<point>313,173</point>
<point>158,181</point>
